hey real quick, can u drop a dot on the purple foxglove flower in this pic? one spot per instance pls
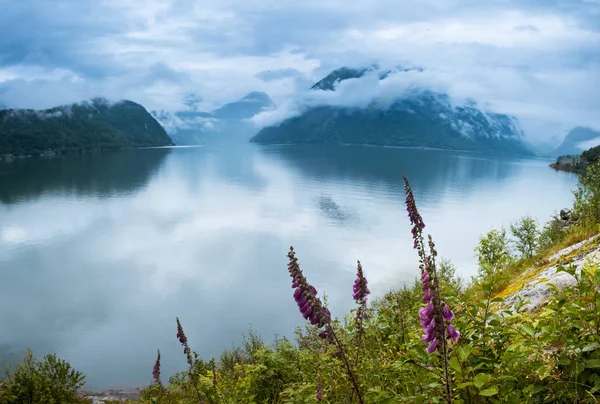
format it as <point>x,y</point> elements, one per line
<point>183,340</point>
<point>428,295</point>
<point>428,338</point>
<point>452,333</point>
<point>156,370</point>
<point>447,313</point>
<point>305,295</point>
<point>436,316</point>
<point>427,311</point>
<point>360,289</point>
<point>430,328</point>
<point>433,346</point>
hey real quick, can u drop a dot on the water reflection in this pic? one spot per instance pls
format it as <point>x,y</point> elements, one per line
<point>97,260</point>
<point>98,174</point>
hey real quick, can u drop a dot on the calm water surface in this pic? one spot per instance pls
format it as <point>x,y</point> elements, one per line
<point>99,253</point>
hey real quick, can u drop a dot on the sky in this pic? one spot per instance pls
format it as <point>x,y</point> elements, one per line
<point>536,59</point>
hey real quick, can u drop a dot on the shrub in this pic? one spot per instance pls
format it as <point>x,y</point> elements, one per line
<point>526,236</point>
<point>49,381</point>
<point>587,197</point>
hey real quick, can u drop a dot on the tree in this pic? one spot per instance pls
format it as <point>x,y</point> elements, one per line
<point>492,252</point>
<point>526,235</point>
<point>587,196</point>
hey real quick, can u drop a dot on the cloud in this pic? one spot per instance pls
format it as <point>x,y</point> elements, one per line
<point>534,58</point>
<point>270,75</point>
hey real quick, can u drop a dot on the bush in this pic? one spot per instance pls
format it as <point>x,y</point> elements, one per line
<point>526,236</point>
<point>551,234</point>
<point>587,197</point>
<point>49,381</point>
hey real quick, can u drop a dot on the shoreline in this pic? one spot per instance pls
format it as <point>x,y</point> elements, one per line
<point>567,168</point>
<point>427,148</point>
<point>9,157</point>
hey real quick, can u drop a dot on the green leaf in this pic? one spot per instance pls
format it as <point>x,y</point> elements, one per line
<point>455,364</point>
<point>591,347</point>
<point>528,329</point>
<point>464,352</point>
<point>463,385</point>
<point>592,363</point>
<point>481,379</point>
<point>489,392</point>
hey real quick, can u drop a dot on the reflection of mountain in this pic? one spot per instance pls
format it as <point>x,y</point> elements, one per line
<point>413,117</point>
<point>229,123</point>
<point>100,174</point>
<point>376,166</point>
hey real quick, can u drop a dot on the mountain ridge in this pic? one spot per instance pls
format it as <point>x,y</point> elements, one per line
<point>87,125</point>
<point>421,118</point>
<point>227,123</point>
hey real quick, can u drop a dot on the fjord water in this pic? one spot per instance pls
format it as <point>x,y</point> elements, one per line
<point>99,253</point>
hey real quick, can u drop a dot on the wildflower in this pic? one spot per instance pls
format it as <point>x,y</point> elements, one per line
<point>156,370</point>
<point>416,221</point>
<point>360,289</point>
<point>305,295</point>
<point>183,340</point>
<point>313,310</point>
<point>435,318</point>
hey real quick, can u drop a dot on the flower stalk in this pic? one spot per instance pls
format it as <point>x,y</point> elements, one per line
<point>194,379</point>
<point>436,316</point>
<point>156,371</point>
<point>313,310</point>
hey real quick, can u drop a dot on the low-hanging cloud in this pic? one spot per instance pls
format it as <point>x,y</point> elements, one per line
<point>536,59</point>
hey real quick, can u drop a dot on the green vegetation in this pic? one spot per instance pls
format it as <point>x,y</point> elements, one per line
<point>49,381</point>
<point>376,354</point>
<point>95,125</point>
<point>577,164</point>
<point>397,126</point>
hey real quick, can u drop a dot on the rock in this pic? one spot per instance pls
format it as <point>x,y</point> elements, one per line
<point>111,396</point>
<point>537,284</point>
<point>565,214</point>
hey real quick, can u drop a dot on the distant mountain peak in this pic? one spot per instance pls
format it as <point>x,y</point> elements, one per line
<point>577,140</point>
<point>259,96</point>
<point>419,117</point>
<point>330,81</point>
<point>228,123</point>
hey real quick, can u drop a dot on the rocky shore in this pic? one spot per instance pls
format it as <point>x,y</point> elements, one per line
<point>112,396</point>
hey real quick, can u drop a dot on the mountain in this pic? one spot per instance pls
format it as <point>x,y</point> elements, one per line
<point>229,123</point>
<point>420,118</point>
<point>577,140</point>
<point>89,125</point>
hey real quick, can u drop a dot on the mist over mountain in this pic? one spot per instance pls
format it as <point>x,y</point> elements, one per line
<point>405,111</point>
<point>578,140</point>
<point>229,123</point>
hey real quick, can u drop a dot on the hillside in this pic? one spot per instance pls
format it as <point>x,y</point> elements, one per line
<point>229,123</point>
<point>93,125</point>
<point>420,118</point>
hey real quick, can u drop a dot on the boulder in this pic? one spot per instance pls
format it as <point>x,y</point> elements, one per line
<point>565,214</point>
